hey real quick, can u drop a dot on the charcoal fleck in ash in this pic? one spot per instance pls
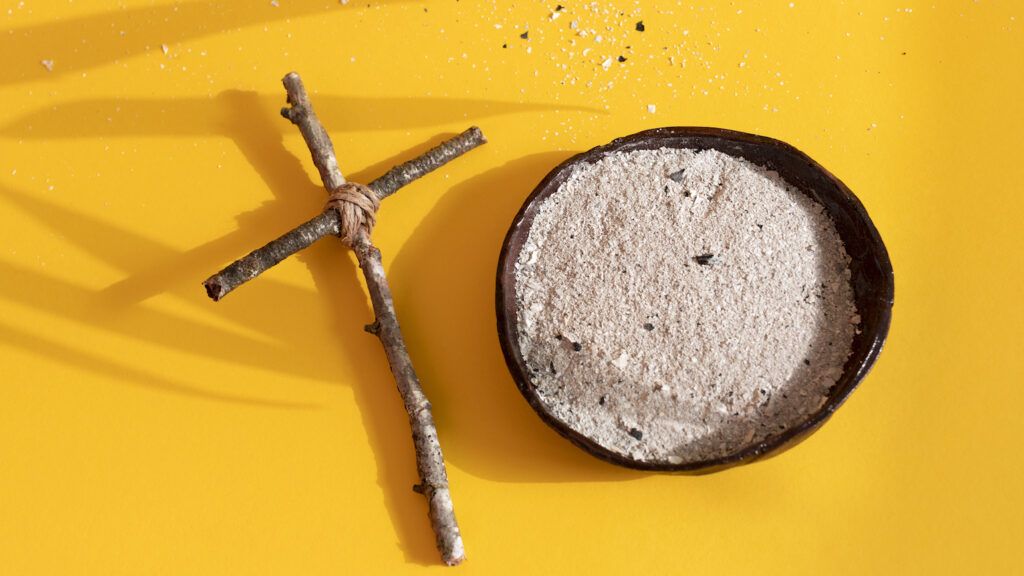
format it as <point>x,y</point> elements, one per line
<point>746,276</point>
<point>704,259</point>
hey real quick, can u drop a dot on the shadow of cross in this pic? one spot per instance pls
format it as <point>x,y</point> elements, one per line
<point>351,214</point>
<point>248,119</point>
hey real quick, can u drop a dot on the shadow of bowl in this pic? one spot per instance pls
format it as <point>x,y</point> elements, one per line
<point>871,278</point>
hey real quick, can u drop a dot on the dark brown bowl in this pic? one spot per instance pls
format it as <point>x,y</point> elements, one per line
<point>872,278</point>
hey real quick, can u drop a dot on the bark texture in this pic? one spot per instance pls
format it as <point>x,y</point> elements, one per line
<point>259,260</point>
<point>429,161</point>
<point>302,115</point>
<point>429,459</point>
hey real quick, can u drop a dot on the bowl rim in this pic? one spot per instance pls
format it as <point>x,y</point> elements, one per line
<point>867,345</point>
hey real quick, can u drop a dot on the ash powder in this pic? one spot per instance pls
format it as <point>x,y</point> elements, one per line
<point>676,305</point>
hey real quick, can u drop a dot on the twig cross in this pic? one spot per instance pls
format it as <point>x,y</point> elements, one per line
<point>350,214</point>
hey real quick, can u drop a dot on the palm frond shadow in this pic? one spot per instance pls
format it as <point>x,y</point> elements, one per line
<point>84,42</point>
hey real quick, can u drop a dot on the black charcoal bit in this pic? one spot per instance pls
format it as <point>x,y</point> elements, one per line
<point>525,35</point>
<point>686,193</point>
<point>558,337</point>
<point>622,58</point>
<point>640,26</point>
<point>576,346</point>
<point>559,8</point>
<point>636,434</point>
<point>760,226</point>
<point>504,45</point>
<point>648,326</point>
<point>551,365</point>
<point>677,176</point>
<point>807,362</point>
<point>704,259</point>
<point>602,400</point>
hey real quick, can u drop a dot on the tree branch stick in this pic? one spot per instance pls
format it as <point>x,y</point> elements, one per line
<point>429,161</point>
<point>302,115</point>
<point>261,259</point>
<point>429,459</point>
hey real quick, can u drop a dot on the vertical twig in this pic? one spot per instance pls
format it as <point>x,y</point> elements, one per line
<point>429,459</point>
<point>300,112</point>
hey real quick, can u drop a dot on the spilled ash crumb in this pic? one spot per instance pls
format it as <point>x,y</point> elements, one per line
<point>676,306</point>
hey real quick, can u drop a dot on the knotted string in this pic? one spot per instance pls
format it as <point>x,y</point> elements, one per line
<point>356,205</point>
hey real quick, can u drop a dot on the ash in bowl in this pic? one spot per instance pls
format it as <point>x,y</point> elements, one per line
<point>676,306</point>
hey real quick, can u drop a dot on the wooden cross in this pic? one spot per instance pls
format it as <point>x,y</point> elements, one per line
<point>350,215</point>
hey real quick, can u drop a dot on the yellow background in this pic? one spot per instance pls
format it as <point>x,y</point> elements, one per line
<point>147,430</point>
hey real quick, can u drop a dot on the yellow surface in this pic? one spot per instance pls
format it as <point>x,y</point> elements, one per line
<point>147,430</point>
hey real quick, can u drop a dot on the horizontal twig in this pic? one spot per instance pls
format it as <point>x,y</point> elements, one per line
<point>429,161</point>
<point>261,259</point>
